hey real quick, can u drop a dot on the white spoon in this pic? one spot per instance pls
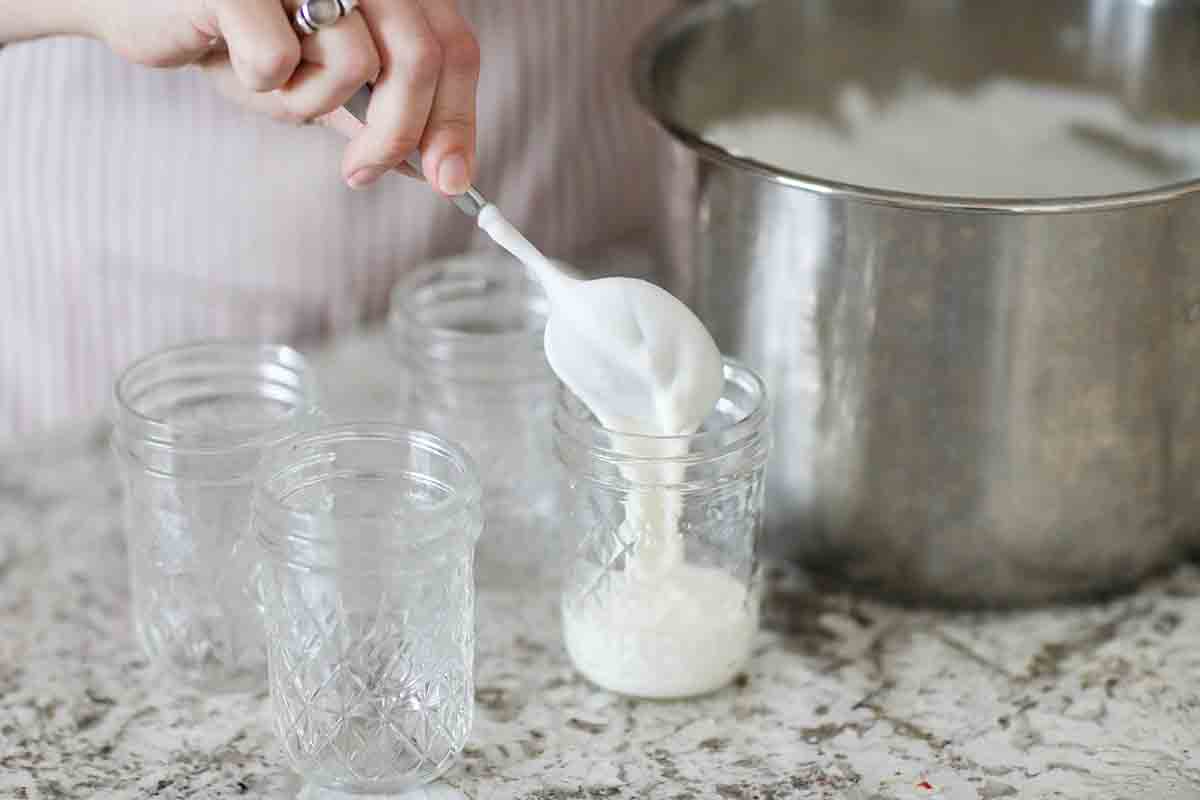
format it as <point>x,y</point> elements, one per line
<point>631,351</point>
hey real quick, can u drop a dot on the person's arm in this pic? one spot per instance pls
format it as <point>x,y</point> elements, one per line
<point>420,55</point>
<point>33,19</point>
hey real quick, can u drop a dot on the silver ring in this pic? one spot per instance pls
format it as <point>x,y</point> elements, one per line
<point>313,15</point>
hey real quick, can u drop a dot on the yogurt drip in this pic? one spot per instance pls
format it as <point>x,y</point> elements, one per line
<point>645,365</point>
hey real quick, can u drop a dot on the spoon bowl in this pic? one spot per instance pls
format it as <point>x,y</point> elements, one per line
<point>636,355</point>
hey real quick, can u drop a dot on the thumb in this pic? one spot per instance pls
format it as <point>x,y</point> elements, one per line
<point>341,121</point>
<point>345,123</point>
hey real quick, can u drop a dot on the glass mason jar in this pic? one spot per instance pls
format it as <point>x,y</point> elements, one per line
<point>469,332</point>
<point>190,426</point>
<point>661,596</point>
<point>368,533</point>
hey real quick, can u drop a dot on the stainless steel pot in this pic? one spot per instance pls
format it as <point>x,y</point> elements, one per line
<point>976,401</point>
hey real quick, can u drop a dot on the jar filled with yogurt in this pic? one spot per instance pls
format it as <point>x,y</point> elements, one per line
<point>661,593</point>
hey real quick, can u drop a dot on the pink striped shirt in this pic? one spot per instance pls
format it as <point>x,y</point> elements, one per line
<point>138,208</point>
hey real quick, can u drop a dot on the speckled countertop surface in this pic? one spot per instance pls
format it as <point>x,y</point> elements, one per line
<point>844,698</point>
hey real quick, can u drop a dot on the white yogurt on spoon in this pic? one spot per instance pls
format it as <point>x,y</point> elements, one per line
<point>636,355</point>
<point>643,364</point>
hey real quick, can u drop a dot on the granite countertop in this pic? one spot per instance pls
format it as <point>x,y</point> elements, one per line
<point>845,698</point>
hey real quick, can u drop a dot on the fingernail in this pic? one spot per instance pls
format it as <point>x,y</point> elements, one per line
<point>364,176</point>
<point>452,175</point>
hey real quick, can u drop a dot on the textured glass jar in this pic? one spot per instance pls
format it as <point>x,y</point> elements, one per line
<point>368,533</point>
<point>191,424</point>
<point>661,595</point>
<point>469,332</point>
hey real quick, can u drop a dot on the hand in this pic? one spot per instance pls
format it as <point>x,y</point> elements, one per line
<point>421,56</point>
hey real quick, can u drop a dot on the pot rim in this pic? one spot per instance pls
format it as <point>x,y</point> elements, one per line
<point>701,12</point>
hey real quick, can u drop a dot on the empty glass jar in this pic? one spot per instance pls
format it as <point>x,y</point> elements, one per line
<point>368,534</point>
<point>661,596</point>
<point>190,426</point>
<point>469,332</point>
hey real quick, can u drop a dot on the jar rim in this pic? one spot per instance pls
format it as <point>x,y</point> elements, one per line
<point>697,447</point>
<point>415,338</point>
<point>279,460</point>
<point>131,422</point>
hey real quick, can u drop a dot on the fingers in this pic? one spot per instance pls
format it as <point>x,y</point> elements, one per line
<point>262,47</point>
<point>216,65</point>
<point>448,144</point>
<point>421,56</point>
<point>411,63</point>
<point>344,123</point>
<point>335,64</point>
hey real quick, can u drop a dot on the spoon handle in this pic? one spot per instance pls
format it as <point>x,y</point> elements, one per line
<point>470,202</point>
